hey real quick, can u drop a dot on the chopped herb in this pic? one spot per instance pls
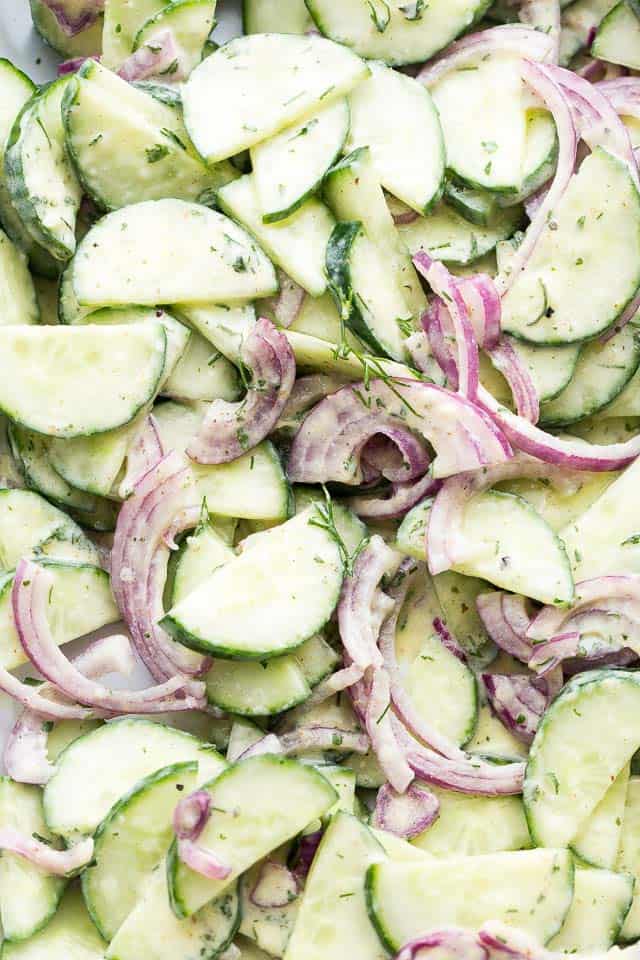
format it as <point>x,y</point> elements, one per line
<point>158,152</point>
<point>325,520</point>
<point>406,326</point>
<point>384,713</point>
<point>631,541</point>
<point>581,221</point>
<point>380,14</point>
<point>43,128</point>
<point>96,139</point>
<point>173,137</point>
<point>171,69</point>
<point>490,146</point>
<point>413,11</point>
<point>488,167</point>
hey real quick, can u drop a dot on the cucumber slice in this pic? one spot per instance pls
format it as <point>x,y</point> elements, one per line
<point>353,191</point>
<point>17,89</point>
<point>297,245</point>
<point>488,104</point>
<point>252,487</point>
<point>322,355</point>
<point>100,112</point>
<point>248,950</point>
<point>512,546</point>
<point>190,22</point>
<point>40,180</point>
<point>573,761</point>
<point>618,36</point>
<point>74,381</point>
<point>260,101</point>
<point>28,522</point>
<point>18,301</point>
<point>293,575</point>
<point>476,206</point>
<point>69,935</point>
<point>601,901</point>
<point>223,326</point>
<point>202,373</point>
<point>393,33</point>
<point>182,253</point>
<point>317,658</point>
<point>244,733</point>
<point>261,803</point>
<point>64,732</point>
<point>603,539</point>
<point>492,740</point>
<point>569,290</point>
<point>530,890</point>
<point>131,842</point>
<point>602,372</point>
<point>289,167</point>
<point>598,840</point>
<point>441,687</point>
<point>200,554</point>
<point>579,23</point>
<point>558,504</point>
<point>122,21</point>
<point>332,919</point>
<point>86,43</point>
<point>367,291</point>
<point>468,826</point>
<point>28,897</point>
<point>99,768</point>
<point>30,450</point>
<point>276,16</point>
<point>257,689</point>
<point>447,236</point>
<point>319,318</point>
<point>79,603</point>
<point>154,932</point>
<point>92,463</point>
<point>409,154</point>
<point>629,854</point>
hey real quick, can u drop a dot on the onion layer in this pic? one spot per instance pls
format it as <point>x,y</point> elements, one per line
<point>56,863</point>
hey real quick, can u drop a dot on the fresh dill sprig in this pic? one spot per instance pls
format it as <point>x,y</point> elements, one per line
<point>325,520</point>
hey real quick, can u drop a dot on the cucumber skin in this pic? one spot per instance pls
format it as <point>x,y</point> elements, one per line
<point>374,915</point>
<point>343,237</point>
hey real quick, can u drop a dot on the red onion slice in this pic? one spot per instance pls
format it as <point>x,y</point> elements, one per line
<point>405,814</point>
<point>544,82</point>
<point>145,451</point>
<point>231,429</point>
<point>447,289</point>
<point>138,565</point>
<point>322,738</point>
<point>72,26</point>
<point>306,392</point>
<point>551,620</point>
<point>398,459</point>
<point>399,499</point>
<point>452,944</point>
<point>336,683</point>
<point>363,606</point>
<point>521,41</point>
<point>508,361</point>
<point>492,610</point>
<point>73,65</point>
<point>505,943</point>
<point>570,453</point>
<point>378,721</point>
<point>25,754</point>
<point>485,310</point>
<point>276,886</point>
<point>190,817</point>
<point>329,442</point>
<point>56,863</point>
<point>287,304</point>
<point>29,596</point>
<point>305,854</point>
<point>518,701</point>
<point>152,59</point>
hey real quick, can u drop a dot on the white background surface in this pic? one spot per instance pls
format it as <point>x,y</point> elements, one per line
<point>20,43</point>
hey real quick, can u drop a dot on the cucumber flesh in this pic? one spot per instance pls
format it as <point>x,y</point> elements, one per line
<point>182,252</point>
<point>18,301</point>
<point>261,803</point>
<point>601,901</point>
<point>618,36</point>
<point>69,935</point>
<point>530,890</point>
<point>99,768</point>
<point>153,931</point>
<point>409,153</point>
<point>629,855</point>
<point>190,22</point>
<point>276,16</point>
<point>447,236</point>
<point>598,841</point>
<point>294,578</point>
<point>573,761</point>
<point>567,292</point>
<point>260,101</point>
<point>468,826</point>
<point>332,919</point>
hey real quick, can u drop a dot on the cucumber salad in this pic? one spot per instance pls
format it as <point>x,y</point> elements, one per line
<point>320,428</point>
